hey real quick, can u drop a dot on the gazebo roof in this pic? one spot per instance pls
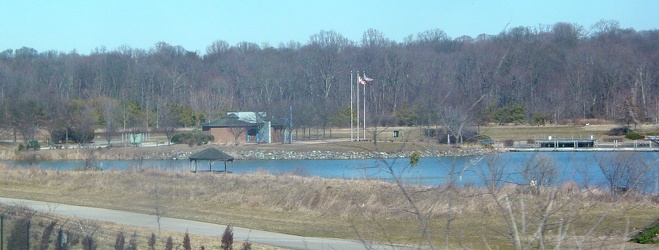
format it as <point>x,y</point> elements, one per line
<point>210,154</point>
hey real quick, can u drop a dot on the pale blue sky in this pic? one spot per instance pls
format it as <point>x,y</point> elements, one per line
<point>83,25</point>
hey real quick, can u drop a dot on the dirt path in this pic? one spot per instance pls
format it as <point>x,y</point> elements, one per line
<point>193,227</point>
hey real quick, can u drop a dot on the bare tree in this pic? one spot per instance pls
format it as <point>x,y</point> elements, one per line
<point>493,172</point>
<point>110,110</point>
<point>623,171</point>
<point>26,117</point>
<point>135,122</point>
<point>168,122</point>
<point>236,132</point>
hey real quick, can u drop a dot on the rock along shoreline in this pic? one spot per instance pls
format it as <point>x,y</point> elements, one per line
<point>331,155</point>
<point>237,153</point>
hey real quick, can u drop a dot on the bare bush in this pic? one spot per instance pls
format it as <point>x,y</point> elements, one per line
<point>120,241</point>
<point>623,172</point>
<point>539,171</point>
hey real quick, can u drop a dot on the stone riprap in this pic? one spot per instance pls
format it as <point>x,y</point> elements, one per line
<point>330,155</point>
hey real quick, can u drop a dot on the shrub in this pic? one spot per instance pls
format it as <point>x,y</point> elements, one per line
<point>132,244</point>
<point>89,243</point>
<point>186,242</point>
<point>33,145</point>
<point>647,235</point>
<point>539,119</point>
<point>513,113</point>
<point>247,246</point>
<point>443,138</point>
<point>77,135</point>
<point>192,138</point>
<point>618,131</point>
<point>414,158</point>
<point>634,136</point>
<point>169,245</point>
<point>120,242</point>
<point>18,234</point>
<point>430,132</point>
<point>469,134</point>
<point>152,242</point>
<point>227,238</point>
<point>47,232</point>
<point>509,143</point>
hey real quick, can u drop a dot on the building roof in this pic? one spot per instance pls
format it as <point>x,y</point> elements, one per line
<point>210,154</point>
<point>251,117</point>
<point>244,119</point>
<point>229,121</point>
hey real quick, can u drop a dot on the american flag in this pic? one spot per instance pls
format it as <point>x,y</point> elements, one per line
<point>364,80</point>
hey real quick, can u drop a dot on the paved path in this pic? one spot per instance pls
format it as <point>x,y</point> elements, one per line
<point>193,227</point>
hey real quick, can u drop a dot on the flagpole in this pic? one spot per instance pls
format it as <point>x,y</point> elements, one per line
<point>364,107</point>
<point>351,126</point>
<point>357,108</point>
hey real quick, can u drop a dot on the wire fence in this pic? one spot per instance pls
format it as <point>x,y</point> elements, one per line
<point>25,229</point>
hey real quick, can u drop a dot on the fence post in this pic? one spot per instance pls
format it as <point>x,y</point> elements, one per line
<point>2,231</point>
<point>28,233</point>
<point>59,244</point>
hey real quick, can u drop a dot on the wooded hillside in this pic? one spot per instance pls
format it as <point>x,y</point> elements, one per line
<point>522,75</point>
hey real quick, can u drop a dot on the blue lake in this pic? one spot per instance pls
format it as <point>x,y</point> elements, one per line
<point>518,167</point>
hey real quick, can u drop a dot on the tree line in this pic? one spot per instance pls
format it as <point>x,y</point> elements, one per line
<point>548,73</point>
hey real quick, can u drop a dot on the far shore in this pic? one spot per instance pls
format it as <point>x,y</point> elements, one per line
<point>325,150</point>
<point>340,146</point>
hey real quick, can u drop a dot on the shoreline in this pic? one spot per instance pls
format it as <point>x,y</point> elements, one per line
<point>182,153</point>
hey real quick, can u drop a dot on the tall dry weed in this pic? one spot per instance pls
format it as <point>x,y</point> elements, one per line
<point>313,197</point>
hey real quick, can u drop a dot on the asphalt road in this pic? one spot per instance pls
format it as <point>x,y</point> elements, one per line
<point>192,227</point>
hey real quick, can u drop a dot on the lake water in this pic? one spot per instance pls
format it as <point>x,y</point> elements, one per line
<point>518,167</point>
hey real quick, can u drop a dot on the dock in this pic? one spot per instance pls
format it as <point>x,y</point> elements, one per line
<point>622,149</point>
<point>649,144</point>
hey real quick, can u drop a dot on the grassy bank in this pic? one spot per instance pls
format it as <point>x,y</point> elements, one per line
<point>368,209</point>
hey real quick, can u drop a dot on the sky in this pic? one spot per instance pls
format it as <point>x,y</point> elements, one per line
<point>67,25</point>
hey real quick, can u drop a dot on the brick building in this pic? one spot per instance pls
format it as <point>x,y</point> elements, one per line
<point>245,127</point>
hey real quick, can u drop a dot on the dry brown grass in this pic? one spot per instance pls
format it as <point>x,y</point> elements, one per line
<point>311,206</point>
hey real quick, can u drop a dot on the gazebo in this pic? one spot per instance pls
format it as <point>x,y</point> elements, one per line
<point>211,155</point>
